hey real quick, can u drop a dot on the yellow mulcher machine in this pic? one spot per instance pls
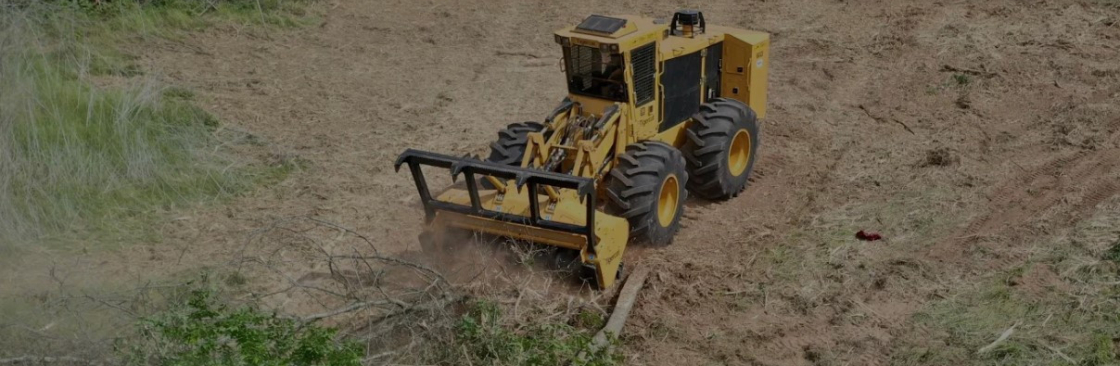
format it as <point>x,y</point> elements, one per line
<point>654,110</point>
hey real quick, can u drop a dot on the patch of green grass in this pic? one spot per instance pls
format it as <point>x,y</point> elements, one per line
<point>482,339</point>
<point>179,93</point>
<point>121,20</point>
<point>1048,330</point>
<point>156,16</point>
<point>590,320</point>
<point>89,161</point>
<point>1062,301</point>
<point>961,79</point>
<point>73,151</point>
<point>1113,253</point>
<point>1102,351</point>
<point>97,30</point>
<point>204,331</point>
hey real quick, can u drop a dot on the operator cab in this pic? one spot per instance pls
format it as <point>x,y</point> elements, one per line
<point>596,56</point>
<point>661,70</point>
<point>595,72</point>
<point>594,68</point>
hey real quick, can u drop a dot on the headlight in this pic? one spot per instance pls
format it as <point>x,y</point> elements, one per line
<point>563,41</point>
<point>609,48</point>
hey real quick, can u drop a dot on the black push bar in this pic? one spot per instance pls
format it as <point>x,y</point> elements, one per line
<point>470,167</point>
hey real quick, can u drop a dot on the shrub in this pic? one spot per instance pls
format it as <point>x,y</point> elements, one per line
<point>204,332</point>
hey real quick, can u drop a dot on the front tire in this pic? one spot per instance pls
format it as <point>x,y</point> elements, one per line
<point>721,149</point>
<point>510,146</point>
<point>647,188</point>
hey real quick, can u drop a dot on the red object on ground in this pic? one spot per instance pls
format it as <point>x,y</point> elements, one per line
<point>866,236</point>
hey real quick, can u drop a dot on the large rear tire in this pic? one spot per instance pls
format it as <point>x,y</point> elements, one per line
<point>647,188</point>
<point>721,149</point>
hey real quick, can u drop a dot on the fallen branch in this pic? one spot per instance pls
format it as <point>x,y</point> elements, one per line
<point>882,120</point>
<point>1002,337</point>
<point>1060,354</point>
<point>346,230</point>
<point>377,356</point>
<point>344,310</point>
<point>618,317</point>
<point>433,305</point>
<point>516,53</point>
<point>985,74</point>
<point>418,266</point>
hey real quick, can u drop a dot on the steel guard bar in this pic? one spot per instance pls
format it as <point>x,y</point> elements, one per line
<point>470,167</point>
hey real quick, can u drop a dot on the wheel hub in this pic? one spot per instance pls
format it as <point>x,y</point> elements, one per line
<point>739,155</point>
<point>667,201</point>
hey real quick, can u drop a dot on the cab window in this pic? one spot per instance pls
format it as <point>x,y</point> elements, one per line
<point>595,73</point>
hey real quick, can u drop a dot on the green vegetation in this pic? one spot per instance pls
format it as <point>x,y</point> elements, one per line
<point>1051,327</point>
<point>204,332</point>
<point>84,153</point>
<point>481,339</point>
<point>1113,253</point>
<point>198,326</point>
<point>961,79</point>
<point>1062,303</point>
<point>132,17</point>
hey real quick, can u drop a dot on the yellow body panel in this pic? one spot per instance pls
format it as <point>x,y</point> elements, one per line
<point>513,230</point>
<point>675,136</point>
<point>674,46</point>
<point>746,61</point>
<point>590,104</point>
<point>746,65</point>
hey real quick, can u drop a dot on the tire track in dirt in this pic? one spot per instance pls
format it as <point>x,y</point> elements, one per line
<point>805,341</point>
<point>1062,190</point>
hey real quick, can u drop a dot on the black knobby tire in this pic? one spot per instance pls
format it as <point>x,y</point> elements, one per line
<point>710,139</point>
<point>510,146</point>
<point>635,189</point>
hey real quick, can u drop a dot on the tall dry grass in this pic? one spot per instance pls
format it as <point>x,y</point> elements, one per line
<point>77,158</point>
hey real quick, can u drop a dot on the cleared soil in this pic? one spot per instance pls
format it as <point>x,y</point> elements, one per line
<point>963,131</point>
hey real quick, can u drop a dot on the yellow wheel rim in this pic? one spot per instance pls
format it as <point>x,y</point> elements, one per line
<point>667,201</point>
<point>740,153</point>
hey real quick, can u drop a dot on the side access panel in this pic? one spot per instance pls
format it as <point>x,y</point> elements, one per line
<point>680,84</point>
<point>746,64</point>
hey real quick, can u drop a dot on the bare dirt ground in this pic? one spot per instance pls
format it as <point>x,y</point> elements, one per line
<point>965,131</point>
